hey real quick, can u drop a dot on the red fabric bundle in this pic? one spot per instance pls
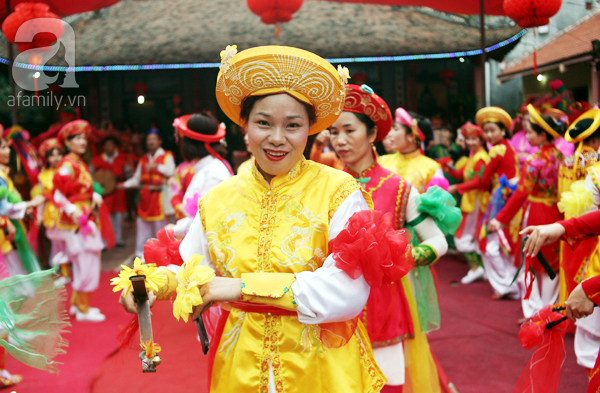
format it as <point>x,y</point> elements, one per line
<point>163,251</point>
<point>542,373</point>
<point>106,229</point>
<point>370,246</point>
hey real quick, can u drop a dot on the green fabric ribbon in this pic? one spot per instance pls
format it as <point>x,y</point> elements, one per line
<point>363,180</point>
<point>425,293</point>
<point>33,314</point>
<point>28,258</point>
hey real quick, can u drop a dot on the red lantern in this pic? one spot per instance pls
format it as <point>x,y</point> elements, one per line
<point>51,29</point>
<point>531,13</point>
<point>274,11</point>
<point>447,75</point>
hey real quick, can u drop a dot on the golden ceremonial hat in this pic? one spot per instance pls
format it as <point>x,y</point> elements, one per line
<point>574,134</point>
<point>538,120</point>
<point>274,69</point>
<point>493,114</point>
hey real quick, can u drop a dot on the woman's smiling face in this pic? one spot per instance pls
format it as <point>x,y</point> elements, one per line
<point>278,127</point>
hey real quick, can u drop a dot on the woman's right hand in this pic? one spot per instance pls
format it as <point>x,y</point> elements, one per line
<point>128,302</point>
<point>76,215</point>
<point>540,236</point>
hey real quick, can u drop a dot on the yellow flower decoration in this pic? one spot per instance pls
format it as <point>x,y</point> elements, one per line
<point>154,280</point>
<point>344,74</point>
<point>190,276</point>
<point>227,54</point>
<point>151,349</point>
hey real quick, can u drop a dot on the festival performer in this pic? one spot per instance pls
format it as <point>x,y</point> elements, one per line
<point>268,232</point>
<point>576,200</point>
<point>580,303</point>
<point>20,258</point>
<point>115,163</point>
<point>537,195</point>
<point>48,215</point>
<point>198,134</point>
<point>408,161</point>
<point>151,175</point>
<point>473,202</point>
<point>391,312</point>
<point>498,263</point>
<point>317,153</point>
<point>78,231</point>
<point>587,335</point>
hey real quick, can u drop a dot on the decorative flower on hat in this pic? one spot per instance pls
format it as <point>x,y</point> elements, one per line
<point>227,54</point>
<point>344,73</point>
<point>367,89</point>
<point>190,276</point>
<point>154,280</point>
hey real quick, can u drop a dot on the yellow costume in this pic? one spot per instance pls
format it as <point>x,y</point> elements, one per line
<point>245,166</point>
<point>413,167</point>
<point>6,181</point>
<point>45,187</point>
<point>267,235</point>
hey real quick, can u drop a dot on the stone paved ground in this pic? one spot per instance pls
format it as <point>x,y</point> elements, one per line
<point>113,259</point>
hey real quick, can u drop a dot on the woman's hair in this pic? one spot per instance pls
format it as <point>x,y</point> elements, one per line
<point>110,139</point>
<point>366,120</point>
<point>249,102</point>
<point>583,125</point>
<point>559,127</point>
<point>201,123</point>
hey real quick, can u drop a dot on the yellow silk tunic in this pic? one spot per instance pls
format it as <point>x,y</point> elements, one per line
<point>469,198</point>
<point>7,182</point>
<point>413,167</point>
<point>265,235</point>
<point>51,214</point>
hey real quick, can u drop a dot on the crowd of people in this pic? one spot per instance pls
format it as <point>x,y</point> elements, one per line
<point>309,290</point>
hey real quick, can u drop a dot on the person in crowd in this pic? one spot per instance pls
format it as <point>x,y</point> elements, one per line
<point>537,195</point>
<point>498,262</point>
<point>318,153</point>
<point>78,228</point>
<point>473,202</point>
<point>198,134</point>
<point>391,314</point>
<point>408,160</point>
<point>151,174</point>
<point>51,152</point>
<point>268,233</point>
<point>112,161</point>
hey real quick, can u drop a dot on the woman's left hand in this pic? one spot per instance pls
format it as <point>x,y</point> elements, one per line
<point>494,225</point>
<point>220,289</point>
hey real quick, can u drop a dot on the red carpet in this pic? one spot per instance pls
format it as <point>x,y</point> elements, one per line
<point>89,345</point>
<point>183,367</point>
<point>477,346</point>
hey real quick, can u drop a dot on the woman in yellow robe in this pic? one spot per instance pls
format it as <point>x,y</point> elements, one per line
<point>267,232</point>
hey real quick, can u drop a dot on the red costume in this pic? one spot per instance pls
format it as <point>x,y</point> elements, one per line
<point>77,187</point>
<point>150,206</point>
<point>115,201</point>
<point>537,194</point>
